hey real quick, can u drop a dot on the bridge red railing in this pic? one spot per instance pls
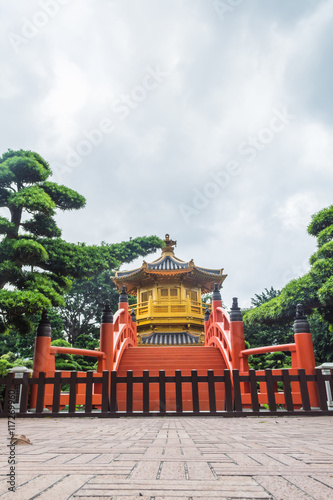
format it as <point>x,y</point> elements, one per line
<point>217,333</point>
<point>226,333</point>
<point>116,334</point>
<point>124,334</point>
<point>222,331</point>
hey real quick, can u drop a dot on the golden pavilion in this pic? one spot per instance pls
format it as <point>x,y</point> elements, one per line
<point>169,308</point>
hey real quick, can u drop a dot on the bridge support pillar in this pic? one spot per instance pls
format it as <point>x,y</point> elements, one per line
<point>106,339</point>
<point>42,356</point>
<point>237,338</point>
<point>124,317</point>
<point>123,304</point>
<point>304,351</point>
<point>216,302</point>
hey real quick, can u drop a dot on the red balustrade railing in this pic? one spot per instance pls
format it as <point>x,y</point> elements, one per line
<point>116,334</point>
<point>227,334</point>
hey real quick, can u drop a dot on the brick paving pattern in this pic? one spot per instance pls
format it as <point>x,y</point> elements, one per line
<point>173,458</point>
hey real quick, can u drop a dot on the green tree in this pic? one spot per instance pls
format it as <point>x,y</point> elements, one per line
<point>265,296</point>
<point>8,341</point>
<point>86,341</point>
<point>84,303</point>
<point>314,290</point>
<point>36,265</point>
<point>23,345</point>
<point>25,265</point>
<point>322,337</point>
<point>65,361</point>
<point>272,360</point>
<point>266,334</point>
<point>259,335</point>
<point>73,361</point>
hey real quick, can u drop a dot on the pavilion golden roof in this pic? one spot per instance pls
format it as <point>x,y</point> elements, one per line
<point>167,267</point>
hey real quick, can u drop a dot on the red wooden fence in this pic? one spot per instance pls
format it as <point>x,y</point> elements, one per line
<point>235,402</point>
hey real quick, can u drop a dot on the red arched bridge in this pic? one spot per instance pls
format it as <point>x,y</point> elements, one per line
<point>212,378</point>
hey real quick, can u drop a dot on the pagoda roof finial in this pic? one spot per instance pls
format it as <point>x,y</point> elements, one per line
<point>169,244</point>
<point>169,267</point>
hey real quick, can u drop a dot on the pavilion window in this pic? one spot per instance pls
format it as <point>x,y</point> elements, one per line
<point>145,296</point>
<point>164,292</point>
<point>173,292</point>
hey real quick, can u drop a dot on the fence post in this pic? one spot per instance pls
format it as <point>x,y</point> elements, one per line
<point>41,354</point>
<point>19,372</point>
<point>326,370</point>
<point>304,350</point>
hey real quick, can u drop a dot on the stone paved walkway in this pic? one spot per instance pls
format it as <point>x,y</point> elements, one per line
<point>172,458</point>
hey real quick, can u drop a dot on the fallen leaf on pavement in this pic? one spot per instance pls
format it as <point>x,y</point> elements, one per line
<point>22,439</point>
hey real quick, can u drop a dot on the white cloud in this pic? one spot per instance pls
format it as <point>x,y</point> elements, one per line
<point>295,212</point>
<point>69,91</point>
<point>225,78</point>
<point>317,148</point>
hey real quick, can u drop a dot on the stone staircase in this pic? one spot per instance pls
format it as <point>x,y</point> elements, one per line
<point>169,359</point>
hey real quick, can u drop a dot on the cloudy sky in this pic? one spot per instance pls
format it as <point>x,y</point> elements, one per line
<point>209,120</point>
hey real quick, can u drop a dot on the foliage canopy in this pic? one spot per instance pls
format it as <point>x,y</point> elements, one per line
<point>36,265</point>
<point>314,290</point>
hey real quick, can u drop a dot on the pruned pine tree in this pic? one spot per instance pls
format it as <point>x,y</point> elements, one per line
<point>36,265</point>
